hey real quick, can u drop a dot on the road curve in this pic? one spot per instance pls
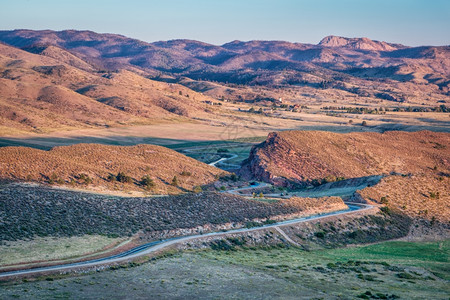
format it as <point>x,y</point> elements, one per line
<point>158,245</point>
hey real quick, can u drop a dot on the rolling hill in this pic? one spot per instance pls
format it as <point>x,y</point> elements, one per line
<point>56,90</point>
<point>359,66</point>
<point>291,157</point>
<point>91,166</point>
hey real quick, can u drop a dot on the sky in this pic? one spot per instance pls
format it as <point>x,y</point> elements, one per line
<point>410,22</point>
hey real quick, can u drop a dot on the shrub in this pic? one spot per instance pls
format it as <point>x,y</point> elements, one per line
<point>261,195</point>
<point>385,210</point>
<point>320,234</point>
<point>329,178</point>
<point>111,177</point>
<point>175,181</point>
<point>147,182</point>
<point>234,177</point>
<point>434,195</point>
<point>52,178</point>
<point>364,123</point>
<point>221,245</point>
<point>252,224</point>
<point>222,150</point>
<point>405,275</point>
<point>85,178</point>
<point>384,200</point>
<point>122,177</point>
<point>197,189</point>
<point>185,173</point>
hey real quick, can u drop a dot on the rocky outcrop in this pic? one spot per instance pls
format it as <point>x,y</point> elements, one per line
<point>314,157</point>
<point>357,43</point>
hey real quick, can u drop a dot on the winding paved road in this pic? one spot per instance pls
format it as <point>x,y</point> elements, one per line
<point>158,245</point>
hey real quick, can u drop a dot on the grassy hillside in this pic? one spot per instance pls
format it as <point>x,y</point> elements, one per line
<point>94,166</point>
<point>56,90</point>
<point>419,196</point>
<point>29,211</point>
<point>315,156</point>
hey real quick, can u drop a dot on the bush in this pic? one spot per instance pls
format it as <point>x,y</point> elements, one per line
<point>364,123</point>
<point>185,173</point>
<point>52,178</point>
<point>434,195</point>
<point>221,245</point>
<point>122,177</point>
<point>175,181</point>
<point>111,177</point>
<point>234,177</point>
<point>329,178</point>
<point>384,200</point>
<point>147,182</point>
<point>320,234</point>
<point>85,178</point>
<point>385,210</point>
<point>197,189</point>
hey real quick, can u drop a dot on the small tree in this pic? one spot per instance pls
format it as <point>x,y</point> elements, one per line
<point>261,195</point>
<point>112,177</point>
<point>147,182</point>
<point>53,178</point>
<point>122,177</point>
<point>364,123</point>
<point>233,177</point>
<point>197,189</point>
<point>174,181</point>
<point>85,178</point>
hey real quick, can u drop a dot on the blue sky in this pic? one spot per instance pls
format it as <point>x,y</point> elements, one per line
<point>411,22</point>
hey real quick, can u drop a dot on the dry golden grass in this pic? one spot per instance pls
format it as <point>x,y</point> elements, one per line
<point>423,196</point>
<point>298,156</point>
<point>65,164</point>
<point>316,205</point>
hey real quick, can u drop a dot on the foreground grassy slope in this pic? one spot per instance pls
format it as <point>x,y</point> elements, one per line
<point>64,165</point>
<point>372,272</point>
<point>53,248</point>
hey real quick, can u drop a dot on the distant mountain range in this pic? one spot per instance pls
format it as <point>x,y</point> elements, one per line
<point>82,61</point>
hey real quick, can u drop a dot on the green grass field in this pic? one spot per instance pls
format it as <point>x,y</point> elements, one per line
<point>389,270</point>
<point>50,248</point>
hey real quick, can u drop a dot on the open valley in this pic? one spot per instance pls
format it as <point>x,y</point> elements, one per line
<point>147,163</point>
